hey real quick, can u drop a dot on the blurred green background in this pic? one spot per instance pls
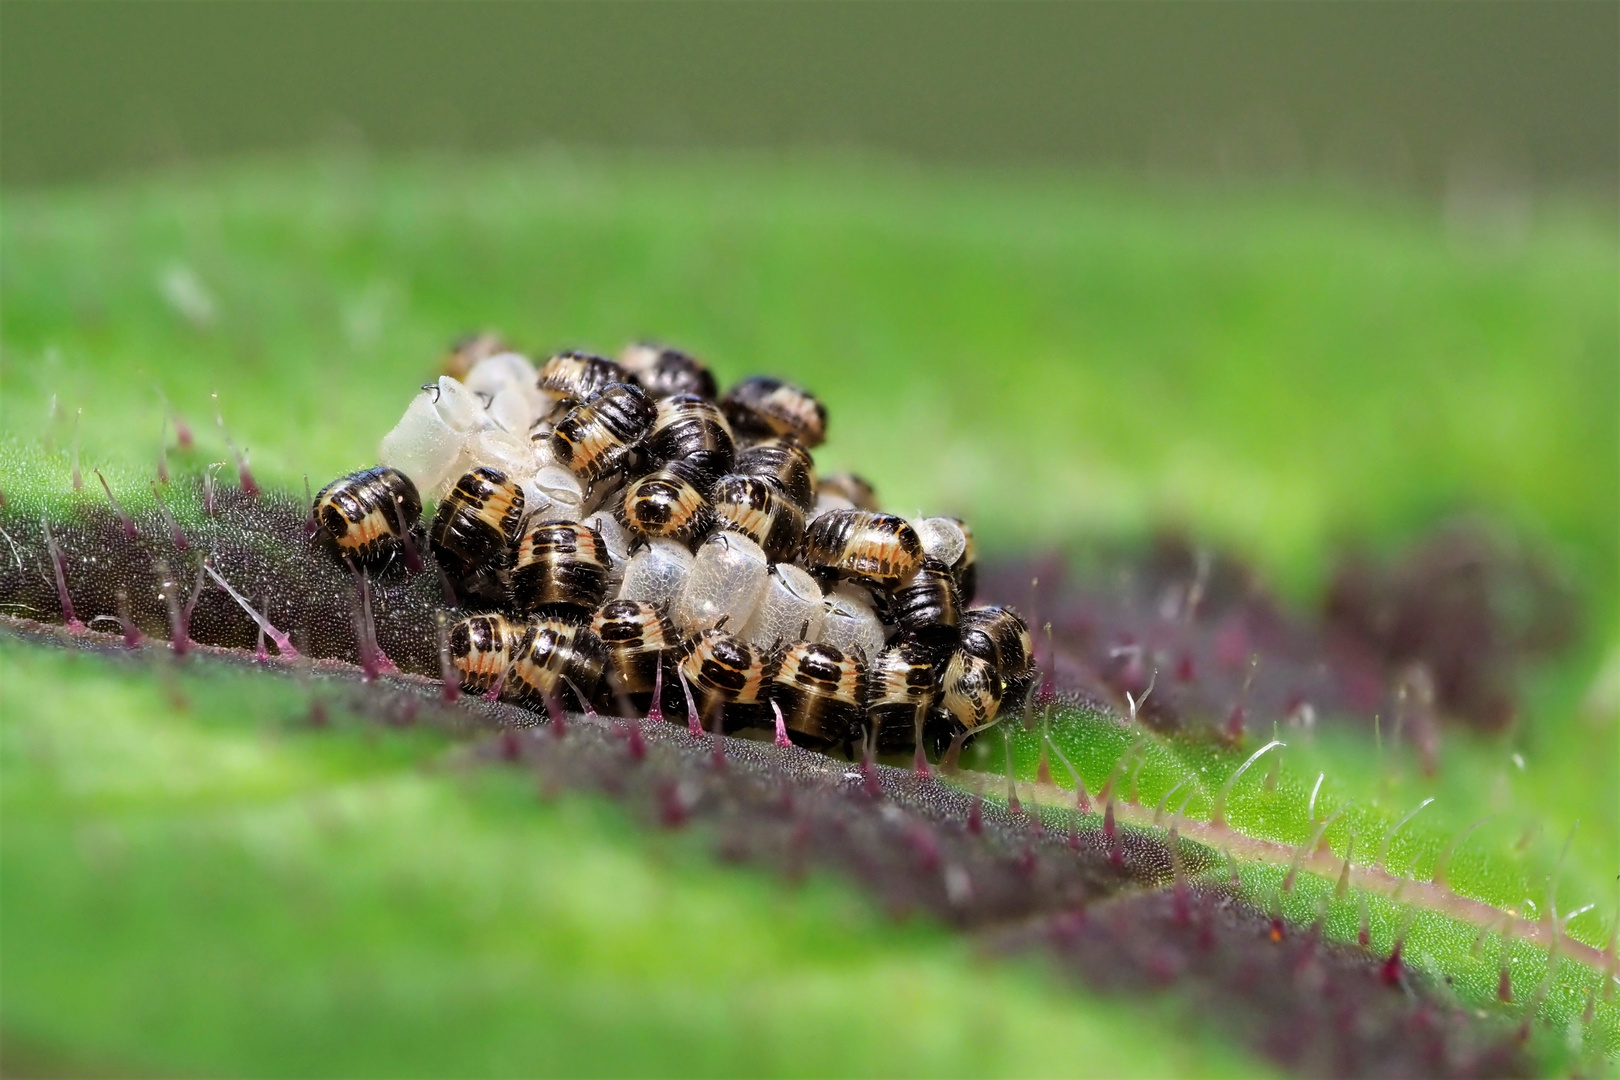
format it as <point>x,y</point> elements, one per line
<point>1509,98</point>
<point>1293,277</point>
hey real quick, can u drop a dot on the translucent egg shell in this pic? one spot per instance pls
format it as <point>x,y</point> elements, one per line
<point>791,608</point>
<point>850,623</point>
<point>656,572</point>
<point>726,583</point>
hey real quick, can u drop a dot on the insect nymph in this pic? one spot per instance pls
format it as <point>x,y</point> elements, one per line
<point>597,436</point>
<point>925,605</point>
<point>580,376</point>
<point>760,511</point>
<point>690,430</point>
<point>561,570</point>
<point>900,688</point>
<point>821,692</point>
<point>481,648</point>
<point>763,407</point>
<point>727,674</point>
<point>475,528</point>
<point>638,637</point>
<point>556,660</point>
<point>665,503</point>
<point>786,463</point>
<point>664,372</point>
<point>879,548</point>
<point>365,514</point>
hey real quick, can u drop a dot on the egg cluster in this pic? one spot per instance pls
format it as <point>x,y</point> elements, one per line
<point>613,529</point>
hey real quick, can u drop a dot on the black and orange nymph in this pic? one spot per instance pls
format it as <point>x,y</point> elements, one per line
<point>760,511</point>
<point>691,430</point>
<point>761,407</point>
<point>900,688</point>
<point>666,503</point>
<point>481,649</point>
<point>367,514</point>
<point>821,692</point>
<point>557,661</point>
<point>561,570</point>
<point>580,376</point>
<point>474,530</point>
<point>595,438</point>
<point>878,548</point>
<point>786,463</point>
<point>664,372</point>
<point>638,638</point>
<point>728,676</point>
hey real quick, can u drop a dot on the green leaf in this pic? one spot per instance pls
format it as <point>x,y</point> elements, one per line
<point>1058,360</point>
<point>197,880</point>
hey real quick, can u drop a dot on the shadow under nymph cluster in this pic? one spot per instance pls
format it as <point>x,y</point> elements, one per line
<point>618,535</point>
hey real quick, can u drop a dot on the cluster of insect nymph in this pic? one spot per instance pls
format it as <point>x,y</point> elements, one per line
<point>608,530</point>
